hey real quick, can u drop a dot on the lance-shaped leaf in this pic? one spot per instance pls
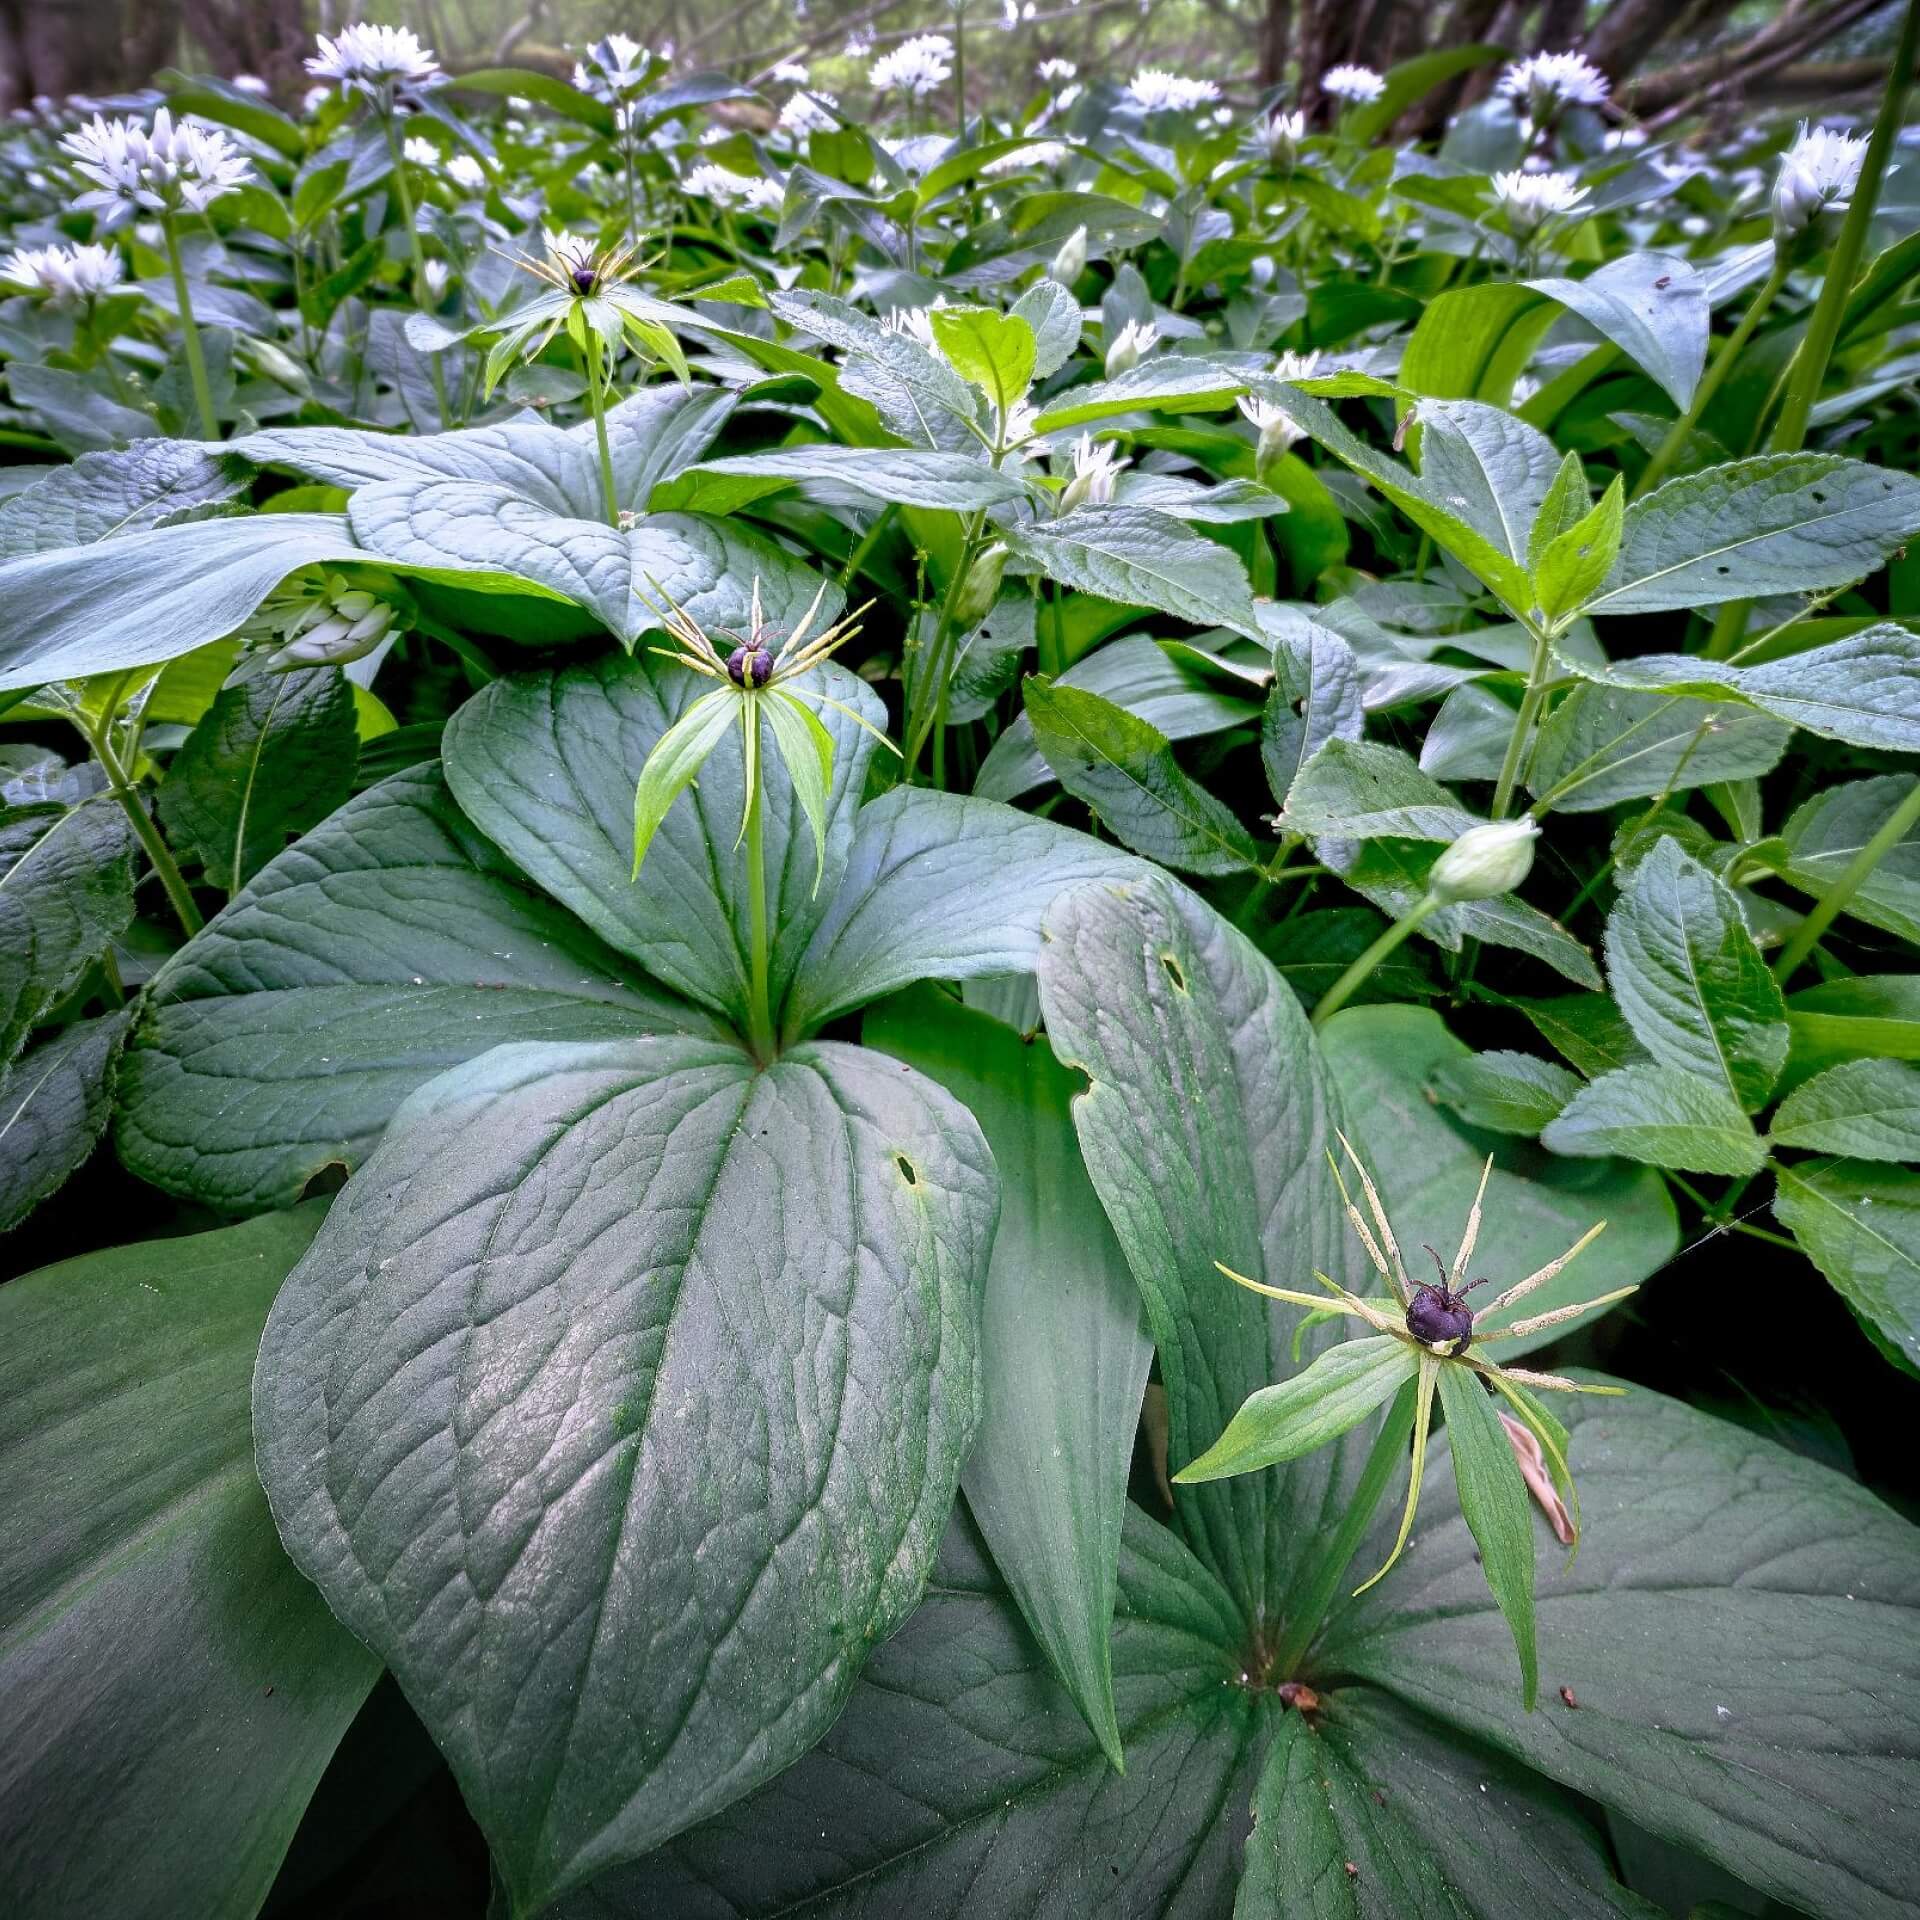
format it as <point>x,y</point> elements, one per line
<point>842,476</point>
<point>1860,1225</point>
<point>1124,769</point>
<point>389,944</point>
<point>170,1688</point>
<point>1568,570</point>
<point>1665,1116</point>
<point>1779,523</point>
<point>1294,1417</point>
<point>1690,980</point>
<point>1724,1636</point>
<point>806,751</point>
<point>673,763</point>
<point>1063,1347</point>
<point>1867,1109</point>
<point>619,1406</point>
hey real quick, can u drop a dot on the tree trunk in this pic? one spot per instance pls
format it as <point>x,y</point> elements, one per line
<point>58,47</point>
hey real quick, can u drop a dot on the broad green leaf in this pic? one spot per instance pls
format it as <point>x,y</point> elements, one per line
<point>679,1449</point>
<point>1488,468</point>
<point>1667,1116</point>
<point>1866,1109</point>
<point>939,887</point>
<point>66,890</point>
<point>960,1782</point>
<point>170,1688</point>
<point>1860,1225</point>
<point>1727,1598</point>
<point>390,943</point>
<point>1132,672</point>
<point>1654,307</point>
<point>1139,558</point>
<point>271,757</point>
<point>1504,1092</point>
<point>1587,1029</point>
<point>1498,1509</point>
<point>545,765</point>
<point>1123,768</point>
<point>1379,1810</point>
<point>707,566</point>
<point>991,350</point>
<point>1427,1165</point>
<point>1690,980</point>
<point>1602,745</point>
<point>1473,343</point>
<point>1778,523</point>
<point>528,83</point>
<point>674,761</point>
<point>1826,834</point>
<point>1063,1351</point>
<point>1297,1416</point>
<point>537,462</point>
<point>1204,1129</point>
<point>842,476</point>
<point>1362,790</point>
<point>1862,1017</point>
<point>54,1103</point>
<point>1315,698</point>
<point>1571,566</point>
<point>104,495</point>
<point>1054,315</point>
<point>1165,383</point>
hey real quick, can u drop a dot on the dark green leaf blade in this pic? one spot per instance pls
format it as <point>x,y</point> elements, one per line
<point>620,1405</point>
<point>54,1104</point>
<point>1664,1116</point>
<point>1860,1225</point>
<point>170,1688</point>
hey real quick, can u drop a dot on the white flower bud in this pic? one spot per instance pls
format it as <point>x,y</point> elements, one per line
<point>981,588</point>
<point>1820,170</point>
<point>1485,861</point>
<point>1135,339</point>
<point>1071,261</point>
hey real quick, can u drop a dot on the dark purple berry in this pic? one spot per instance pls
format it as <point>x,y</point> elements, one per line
<point>1437,1317</point>
<point>750,666</point>
<point>583,279</point>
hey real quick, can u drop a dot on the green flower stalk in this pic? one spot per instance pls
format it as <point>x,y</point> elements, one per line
<point>753,681</point>
<point>1422,1338</point>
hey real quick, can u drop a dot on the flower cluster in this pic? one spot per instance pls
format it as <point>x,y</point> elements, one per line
<point>1531,199</point>
<point>1819,171</point>
<point>1155,90</point>
<point>1056,72</point>
<point>1358,85</point>
<point>63,273</point>
<point>614,68</point>
<point>730,189</point>
<point>1097,466</point>
<point>915,67</point>
<point>316,620</point>
<point>163,171</point>
<point>807,113</point>
<point>1544,83</point>
<point>374,60</point>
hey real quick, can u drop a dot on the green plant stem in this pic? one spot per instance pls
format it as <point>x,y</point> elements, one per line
<point>1522,728</point>
<point>1806,936</point>
<point>597,399</point>
<point>1308,1609</point>
<point>1356,976</point>
<point>1723,363</point>
<point>1809,370</point>
<point>404,193</point>
<point>159,854</point>
<point>759,997</point>
<point>867,542</point>
<point>190,333</point>
<point>926,704</point>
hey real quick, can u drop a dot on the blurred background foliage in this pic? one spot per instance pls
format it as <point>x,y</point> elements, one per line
<point>1669,60</point>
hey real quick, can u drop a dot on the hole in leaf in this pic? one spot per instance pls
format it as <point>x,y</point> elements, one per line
<point>907,1172</point>
<point>1174,973</point>
<point>1723,569</point>
<point>1819,498</point>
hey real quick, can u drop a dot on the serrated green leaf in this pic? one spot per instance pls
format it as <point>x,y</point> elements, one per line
<point>991,350</point>
<point>1573,564</point>
<point>1860,1225</point>
<point>1865,1109</point>
<point>1505,1092</point>
<point>1363,790</point>
<point>1568,501</point>
<point>54,1103</point>
<point>1665,1116</point>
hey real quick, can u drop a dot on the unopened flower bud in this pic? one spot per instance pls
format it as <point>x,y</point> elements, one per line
<point>1133,340</point>
<point>1485,861</point>
<point>750,666</point>
<point>981,588</point>
<point>1071,261</point>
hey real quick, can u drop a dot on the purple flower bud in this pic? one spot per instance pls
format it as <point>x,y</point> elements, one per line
<point>750,666</point>
<point>1438,1317</point>
<point>583,279</point>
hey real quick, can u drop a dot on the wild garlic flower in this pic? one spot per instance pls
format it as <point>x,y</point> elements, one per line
<point>63,273</point>
<point>754,674</point>
<point>1279,432</point>
<point>1130,346</point>
<point>438,276</point>
<point>467,173</point>
<point>374,60</point>
<point>1424,1333</point>
<point>1355,84</point>
<point>1056,72</point>
<point>1019,426</point>
<point>807,113</point>
<point>162,171</point>
<point>614,67</point>
<point>730,189</point>
<point>916,323</point>
<point>1531,199</point>
<point>915,67</point>
<point>1544,83</point>
<point>1096,468</point>
<point>316,619</point>
<point>1284,132</point>
<point>788,73</point>
<point>1819,171</point>
<point>419,153</point>
<point>1155,90</point>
